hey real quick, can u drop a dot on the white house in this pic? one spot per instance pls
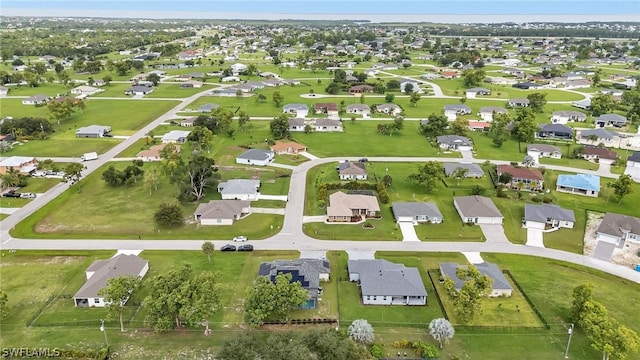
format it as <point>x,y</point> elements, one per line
<point>175,136</point>
<point>85,90</point>
<point>360,109</point>
<point>382,282</point>
<point>452,111</point>
<point>538,151</point>
<point>239,189</point>
<point>617,229</point>
<point>547,215</point>
<point>472,93</point>
<point>255,157</point>
<point>222,212</point>
<point>39,99</point>
<point>352,170</point>
<point>487,112</point>
<point>299,110</point>
<point>633,166</point>
<point>500,286</point>
<point>238,68</point>
<point>562,117</point>
<point>477,210</point>
<point>416,212</point>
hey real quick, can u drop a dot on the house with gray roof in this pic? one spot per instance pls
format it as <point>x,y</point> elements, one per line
<point>99,273</point>
<point>93,131</point>
<point>209,107</point>
<point>473,170</point>
<point>221,212</point>
<point>562,117</point>
<point>239,189</point>
<point>309,272</point>
<point>416,212</point>
<point>518,102</point>
<point>633,166</point>
<point>391,109</point>
<point>382,282</point>
<point>452,111</point>
<point>255,157</point>
<point>299,110</point>
<point>360,109</point>
<point>326,125</point>
<point>454,142</point>
<point>487,112</point>
<point>547,215</point>
<point>537,151</point>
<point>349,170</point>
<point>39,99</point>
<point>477,210</point>
<point>610,120</point>
<point>139,90</point>
<point>175,136</point>
<point>597,136</point>
<point>500,286</point>
<point>616,229</point>
<point>473,92</point>
<point>555,131</point>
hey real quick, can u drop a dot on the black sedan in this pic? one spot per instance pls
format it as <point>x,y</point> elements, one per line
<point>228,247</point>
<point>245,248</point>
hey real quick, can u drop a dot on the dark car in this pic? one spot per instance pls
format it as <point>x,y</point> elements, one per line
<point>228,247</point>
<point>363,160</point>
<point>11,194</point>
<point>245,248</point>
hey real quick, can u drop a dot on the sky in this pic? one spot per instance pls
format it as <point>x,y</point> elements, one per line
<point>374,10</point>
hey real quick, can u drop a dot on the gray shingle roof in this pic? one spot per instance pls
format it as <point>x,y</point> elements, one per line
<point>381,277</point>
<point>634,157</point>
<point>613,224</point>
<point>416,208</point>
<point>541,213</point>
<point>221,209</point>
<point>453,140</point>
<point>600,133</point>
<point>544,148</point>
<point>500,282</point>
<point>308,269</point>
<point>120,265</point>
<point>352,168</point>
<point>239,186</point>
<point>473,170</point>
<point>477,206</point>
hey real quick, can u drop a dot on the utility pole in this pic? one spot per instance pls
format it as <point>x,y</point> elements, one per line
<point>570,331</point>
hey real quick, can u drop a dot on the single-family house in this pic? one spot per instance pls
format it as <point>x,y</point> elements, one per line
<point>452,111</point>
<point>255,157</point>
<point>610,120</point>
<point>191,84</point>
<point>24,165</point>
<point>633,166</point>
<point>93,131</point>
<point>175,136</point>
<point>361,89</point>
<point>522,178</point>
<point>555,131</point>
<point>414,86</point>
<point>538,151</point>
<point>597,136</point>
<point>598,154</point>
<point>416,212</point>
<point>584,104</point>
<point>239,189</point>
<point>472,170</point>
<point>325,125</point>
<point>617,229</point>
<point>226,92</point>
<point>547,215</point>
<point>101,271</point>
<point>351,207</point>
<point>526,85</point>
<point>562,117</point>
<point>518,102</point>
<point>208,107</point>
<point>222,212</point>
<point>153,153</point>
<point>360,109</point>
<point>309,272</point>
<point>450,74</point>
<point>139,90</point>
<point>231,78</point>
<point>487,112</point>
<point>581,184</point>
<point>499,80</point>
<point>287,147</point>
<point>454,142</point>
<point>297,124</point>
<point>500,286</point>
<point>478,125</point>
<point>382,282</point>
<point>188,122</point>
<point>348,170</point>
<point>326,108</point>
<point>391,109</point>
<point>477,210</point>
<point>39,99</point>
<point>577,84</point>
<point>238,68</point>
<point>299,110</point>
<point>85,90</point>
<point>473,92</point>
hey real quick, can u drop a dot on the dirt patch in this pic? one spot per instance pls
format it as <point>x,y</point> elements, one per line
<point>256,169</point>
<point>53,260</point>
<point>627,255</point>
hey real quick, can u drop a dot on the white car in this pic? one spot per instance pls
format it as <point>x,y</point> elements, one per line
<point>28,195</point>
<point>240,238</point>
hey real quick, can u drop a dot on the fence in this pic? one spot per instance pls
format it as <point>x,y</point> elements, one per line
<point>33,317</point>
<point>301,322</point>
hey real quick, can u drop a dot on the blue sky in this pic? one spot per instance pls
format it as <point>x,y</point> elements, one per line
<point>535,10</point>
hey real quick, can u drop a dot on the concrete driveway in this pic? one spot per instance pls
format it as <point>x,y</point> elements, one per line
<point>267,211</point>
<point>467,155</point>
<point>408,231</point>
<point>535,237</point>
<point>494,233</point>
<point>272,197</point>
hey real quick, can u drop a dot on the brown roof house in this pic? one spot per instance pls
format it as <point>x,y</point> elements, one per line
<point>352,170</point>
<point>598,154</point>
<point>616,229</point>
<point>351,207</point>
<point>287,147</point>
<point>477,210</point>
<point>530,179</point>
<point>99,273</point>
<point>326,108</point>
<point>222,212</point>
<point>153,153</point>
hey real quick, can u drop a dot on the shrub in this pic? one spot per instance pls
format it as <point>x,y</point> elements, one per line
<point>547,200</point>
<point>361,331</point>
<point>377,351</point>
<point>169,215</point>
<point>477,190</point>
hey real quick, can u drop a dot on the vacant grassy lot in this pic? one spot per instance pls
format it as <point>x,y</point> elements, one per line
<point>130,213</point>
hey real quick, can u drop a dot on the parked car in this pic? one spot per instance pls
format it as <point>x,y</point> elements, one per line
<point>39,174</point>
<point>245,248</point>
<point>228,247</point>
<point>28,195</point>
<point>11,194</point>
<point>363,160</point>
<point>240,239</point>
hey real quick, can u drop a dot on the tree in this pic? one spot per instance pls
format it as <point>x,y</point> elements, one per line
<point>441,330</point>
<point>467,301</point>
<point>207,249</point>
<point>602,104</point>
<point>169,215</point>
<point>387,180</point>
<point>60,110</point>
<point>581,295</point>
<point>107,79</point>
<point>280,127</point>
<point>195,178</point>
<point>525,126</point>
<point>408,88</point>
<point>505,178</point>
<point>117,293</point>
<point>460,126</point>
<point>414,98</point>
<point>277,98</point>
<point>243,121</point>
<point>427,175</point>
<point>435,126</point>
<point>4,299</point>
<point>472,77</point>
<point>498,129</point>
<point>393,84</point>
<point>73,172</point>
<point>154,78</point>
<point>460,173</point>
<point>537,101</point>
<point>151,180</point>
<point>389,97</point>
<point>64,77</point>
<point>361,332</point>
<point>202,296</point>
<point>272,300</point>
<point>200,137</point>
<point>622,187</point>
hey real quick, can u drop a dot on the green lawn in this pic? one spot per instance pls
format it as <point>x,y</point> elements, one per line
<point>175,91</point>
<point>131,210</point>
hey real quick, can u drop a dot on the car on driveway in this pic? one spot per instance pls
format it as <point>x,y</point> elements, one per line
<point>28,195</point>
<point>228,247</point>
<point>11,194</point>
<point>245,248</point>
<point>240,239</point>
